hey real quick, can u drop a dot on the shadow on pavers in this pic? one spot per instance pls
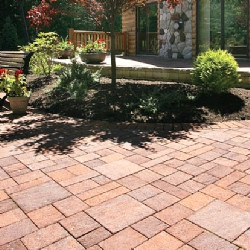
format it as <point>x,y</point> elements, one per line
<point>58,134</point>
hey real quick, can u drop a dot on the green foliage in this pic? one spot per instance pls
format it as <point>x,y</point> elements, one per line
<point>149,103</point>
<point>39,65</point>
<point>13,84</point>
<point>77,80</point>
<point>235,30</point>
<point>215,71</point>
<point>45,49</point>
<point>64,44</point>
<point>106,25</point>
<point>9,38</point>
<point>154,102</point>
<point>93,47</point>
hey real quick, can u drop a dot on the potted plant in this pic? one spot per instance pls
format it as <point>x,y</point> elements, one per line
<point>65,48</point>
<point>93,52</point>
<point>15,87</point>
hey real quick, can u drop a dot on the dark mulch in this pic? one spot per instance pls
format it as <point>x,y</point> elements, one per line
<point>123,104</point>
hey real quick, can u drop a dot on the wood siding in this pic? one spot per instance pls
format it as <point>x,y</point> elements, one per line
<point>129,26</point>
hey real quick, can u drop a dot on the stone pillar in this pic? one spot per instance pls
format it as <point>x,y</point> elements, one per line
<point>176,31</point>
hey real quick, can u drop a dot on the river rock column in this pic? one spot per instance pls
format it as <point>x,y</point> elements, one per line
<point>176,30</point>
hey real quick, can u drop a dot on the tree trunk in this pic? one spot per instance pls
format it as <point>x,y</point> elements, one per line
<point>24,24</point>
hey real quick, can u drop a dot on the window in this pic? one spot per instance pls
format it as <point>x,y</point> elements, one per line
<point>223,24</point>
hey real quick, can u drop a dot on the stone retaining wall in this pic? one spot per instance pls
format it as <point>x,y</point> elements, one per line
<point>162,74</point>
<point>154,74</point>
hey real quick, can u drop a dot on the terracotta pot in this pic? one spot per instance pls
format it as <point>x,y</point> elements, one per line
<point>18,104</point>
<point>94,58</point>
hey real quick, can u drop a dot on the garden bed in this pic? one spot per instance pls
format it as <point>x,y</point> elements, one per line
<point>140,101</point>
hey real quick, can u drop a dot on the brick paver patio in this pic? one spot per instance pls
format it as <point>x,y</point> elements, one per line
<point>70,184</point>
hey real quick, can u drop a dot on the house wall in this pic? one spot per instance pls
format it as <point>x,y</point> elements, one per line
<point>174,41</point>
<point>129,26</point>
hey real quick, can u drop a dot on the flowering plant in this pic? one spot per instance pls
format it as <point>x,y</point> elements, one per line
<point>13,85</point>
<point>64,44</point>
<point>93,47</point>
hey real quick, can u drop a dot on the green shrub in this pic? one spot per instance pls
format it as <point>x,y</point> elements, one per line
<point>78,79</point>
<point>45,49</point>
<point>215,71</point>
<point>156,101</point>
<point>9,38</point>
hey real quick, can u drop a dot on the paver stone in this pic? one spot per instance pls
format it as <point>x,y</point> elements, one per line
<point>120,212</point>
<point>39,196</point>
<point>208,241</point>
<point>118,169</point>
<point>222,219</point>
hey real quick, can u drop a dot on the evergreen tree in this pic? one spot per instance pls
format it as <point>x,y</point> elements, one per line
<point>9,38</point>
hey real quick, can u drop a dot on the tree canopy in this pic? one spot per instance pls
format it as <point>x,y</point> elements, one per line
<point>43,14</point>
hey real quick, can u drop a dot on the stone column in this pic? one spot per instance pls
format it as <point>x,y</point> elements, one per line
<point>176,31</point>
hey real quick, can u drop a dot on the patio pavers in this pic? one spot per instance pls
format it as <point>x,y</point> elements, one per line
<point>126,239</point>
<point>222,219</point>
<point>88,185</point>
<point>161,241</point>
<point>79,224</point>
<point>120,212</point>
<point>39,196</point>
<point>208,241</point>
<point>118,169</point>
<point>16,231</point>
<point>44,236</point>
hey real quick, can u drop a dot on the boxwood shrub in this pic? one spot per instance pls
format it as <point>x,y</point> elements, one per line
<point>215,71</point>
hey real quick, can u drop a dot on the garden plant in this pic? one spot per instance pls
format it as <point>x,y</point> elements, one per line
<point>215,71</point>
<point>13,85</point>
<point>77,80</point>
<point>45,48</point>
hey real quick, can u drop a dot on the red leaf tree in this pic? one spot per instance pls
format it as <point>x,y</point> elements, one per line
<point>41,16</point>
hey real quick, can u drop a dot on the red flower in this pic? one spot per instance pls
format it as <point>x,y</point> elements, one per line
<point>3,71</point>
<point>18,72</point>
<point>101,40</point>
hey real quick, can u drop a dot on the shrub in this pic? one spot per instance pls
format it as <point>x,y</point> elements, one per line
<point>78,79</point>
<point>155,102</point>
<point>9,38</point>
<point>215,71</point>
<point>45,49</point>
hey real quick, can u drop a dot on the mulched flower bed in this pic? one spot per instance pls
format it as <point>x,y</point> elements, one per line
<point>103,103</point>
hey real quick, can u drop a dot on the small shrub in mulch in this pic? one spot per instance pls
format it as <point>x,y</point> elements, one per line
<point>141,101</point>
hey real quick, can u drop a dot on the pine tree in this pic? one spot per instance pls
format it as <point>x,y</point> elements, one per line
<point>9,38</point>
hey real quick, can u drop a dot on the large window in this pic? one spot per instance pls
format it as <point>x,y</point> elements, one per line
<point>223,24</point>
<point>147,42</point>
